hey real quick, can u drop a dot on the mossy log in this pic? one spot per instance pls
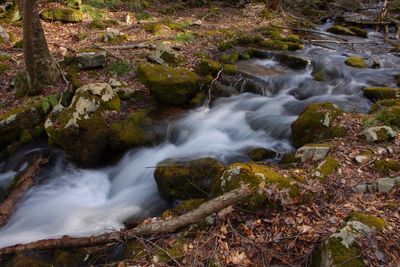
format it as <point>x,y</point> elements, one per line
<point>157,228</point>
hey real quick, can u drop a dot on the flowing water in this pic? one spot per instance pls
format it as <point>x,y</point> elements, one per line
<point>78,202</point>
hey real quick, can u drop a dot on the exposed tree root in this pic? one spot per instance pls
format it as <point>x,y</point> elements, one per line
<point>157,228</point>
<point>25,181</point>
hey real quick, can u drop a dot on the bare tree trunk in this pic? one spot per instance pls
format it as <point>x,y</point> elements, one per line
<point>276,5</point>
<point>40,66</point>
<point>161,227</point>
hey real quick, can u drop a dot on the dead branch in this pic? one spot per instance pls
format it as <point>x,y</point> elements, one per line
<point>157,228</point>
<point>212,86</point>
<point>310,31</point>
<point>25,181</point>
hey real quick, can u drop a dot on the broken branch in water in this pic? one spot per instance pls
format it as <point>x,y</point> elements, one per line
<point>25,181</point>
<point>162,227</point>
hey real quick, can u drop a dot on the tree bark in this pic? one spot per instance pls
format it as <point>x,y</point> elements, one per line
<point>40,67</point>
<point>276,5</point>
<point>24,182</point>
<point>161,227</point>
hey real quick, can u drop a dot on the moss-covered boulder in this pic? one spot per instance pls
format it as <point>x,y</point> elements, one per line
<point>383,104</point>
<point>341,248</point>
<point>81,128</point>
<point>187,179</point>
<point>257,176</point>
<point>316,123</point>
<point>327,167</point>
<point>385,166</point>
<point>379,134</point>
<point>390,116</point>
<point>208,67</point>
<point>22,123</point>
<point>381,93</point>
<point>337,29</point>
<point>169,85</point>
<point>356,62</point>
<point>67,15</point>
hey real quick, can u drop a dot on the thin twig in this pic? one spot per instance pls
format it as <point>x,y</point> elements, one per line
<point>211,87</point>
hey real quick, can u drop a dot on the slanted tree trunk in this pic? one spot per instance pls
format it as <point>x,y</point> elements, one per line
<point>40,67</point>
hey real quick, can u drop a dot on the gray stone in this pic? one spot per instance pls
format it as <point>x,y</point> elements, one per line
<point>164,55</point>
<point>379,134</point>
<point>114,83</point>
<point>384,185</point>
<point>313,152</point>
<point>112,34</point>
<point>4,36</point>
<point>91,60</point>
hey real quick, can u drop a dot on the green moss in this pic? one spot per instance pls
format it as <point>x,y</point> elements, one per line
<point>340,255</point>
<point>390,116</point>
<point>383,104</point>
<point>260,153</point>
<point>316,123</point>
<point>390,205</point>
<point>135,250</point>
<point>369,220</point>
<point>21,260</point>
<point>386,166</point>
<point>381,93</point>
<point>68,15</point>
<point>19,44</point>
<point>4,67</point>
<point>340,30</point>
<point>102,24</point>
<point>25,136</point>
<point>290,158</point>
<point>249,39</point>
<point>116,39</point>
<point>153,27</point>
<point>356,62</point>
<point>114,104</point>
<point>230,69</point>
<point>327,167</point>
<point>359,32</point>
<point>66,98</point>
<point>170,85</point>
<point>185,37</point>
<point>187,179</point>
<point>65,258</point>
<point>223,46</point>
<point>255,175</point>
<point>188,205</point>
<point>199,99</point>
<point>207,67</point>
<point>119,68</point>
<point>230,58</point>
<point>143,16</point>
<point>4,57</point>
<point>174,251</point>
<point>132,131</point>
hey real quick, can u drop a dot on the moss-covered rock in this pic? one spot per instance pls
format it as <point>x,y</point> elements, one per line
<point>359,32</point>
<point>67,15</point>
<point>257,176</point>
<point>134,130</point>
<point>290,158</point>
<point>170,85</point>
<point>356,62</point>
<point>208,67</point>
<point>260,153</point>
<point>18,124</point>
<point>188,205</point>
<point>81,128</point>
<point>313,152</point>
<point>342,248</point>
<point>386,166</point>
<point>381,93</point>
<point>187,179</point>
<point>390,116</point>
<point>230,69</point>
<point>337,29</point>
<point>316,123</point>
<point>21,260</point>
<point>230,58</point>
<point>383,104</point>
<point>379,134</point>
<point>327,167</point>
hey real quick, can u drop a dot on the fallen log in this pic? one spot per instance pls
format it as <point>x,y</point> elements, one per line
<point>25,181</point>
<point>162,227</point>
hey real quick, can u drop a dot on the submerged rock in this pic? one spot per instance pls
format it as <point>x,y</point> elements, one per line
<point>170,85</point>
<point>257,176</point>
<point>379,134</point>
<point>67,15</point>
<point>187,179</point>
<point>356,62</point>
<point>91,60</point>
<point>316,123</point>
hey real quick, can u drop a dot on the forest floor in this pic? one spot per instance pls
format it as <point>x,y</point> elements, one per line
<point>273,237</point>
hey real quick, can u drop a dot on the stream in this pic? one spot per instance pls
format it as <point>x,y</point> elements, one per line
<point>79,202</point>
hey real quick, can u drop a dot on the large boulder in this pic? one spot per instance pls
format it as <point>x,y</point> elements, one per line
<point>81,128</point>
<point>342,248</point>
<point>67,15</point>
<point>390,116</point>
<point>257,176</point>
<point>381,93</point>
<point>169,85</point>
<point>187,179</point>
<point>316,123</point>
